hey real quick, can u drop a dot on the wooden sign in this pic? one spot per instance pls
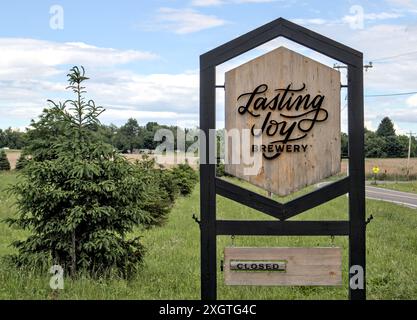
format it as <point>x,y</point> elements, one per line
<point>283,266</point>
<point>293,103</point>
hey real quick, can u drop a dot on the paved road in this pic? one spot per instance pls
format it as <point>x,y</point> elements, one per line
<point>403,198</point>
<point>375,193</point>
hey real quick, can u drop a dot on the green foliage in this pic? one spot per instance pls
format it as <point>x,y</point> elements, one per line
<point>384,143</point>
<point>392,147</point>
<point>345,144</point>
<point>168,183</point>
<point>43,137</point>
<point>220,170</point>
<point>386,128</point>
<point>374,145</point>
<point>185,178</point>
<point>161,190</point>
<point>13,139</point>
<point>128,136</point>
<point>4,162</point>
<point>22,161</point>
<point>80,199</point>
<point>403,142</point>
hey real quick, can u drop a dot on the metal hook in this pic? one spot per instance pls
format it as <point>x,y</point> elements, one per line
<point>195,218</point>
<point>370,218</point>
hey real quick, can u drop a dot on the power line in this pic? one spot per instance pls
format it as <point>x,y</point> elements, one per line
<point>395,56</point>
<point>390,94</point>
<point>370,65</point>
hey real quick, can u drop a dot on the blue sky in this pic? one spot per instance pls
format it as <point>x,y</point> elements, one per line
<point>142,56</point>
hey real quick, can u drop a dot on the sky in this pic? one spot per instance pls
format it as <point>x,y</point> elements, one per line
<point>143,56</point>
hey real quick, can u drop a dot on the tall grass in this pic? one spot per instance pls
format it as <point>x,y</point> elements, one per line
<point>172,261</point>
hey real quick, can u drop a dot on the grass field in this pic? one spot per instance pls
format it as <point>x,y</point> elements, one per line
<point>171,268</point>
<point>405,187</point>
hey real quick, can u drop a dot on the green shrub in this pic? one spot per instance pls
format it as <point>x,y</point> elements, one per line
<point>21,161</point>
<point>159,198</point>
<point>185,178</point>
<point>220,170</point>
<point>168,184</point>
<point>4,162</point>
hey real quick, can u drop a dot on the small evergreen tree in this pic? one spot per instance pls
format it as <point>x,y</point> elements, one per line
<point>81,200</point>
<point>344,144</point>
<point>4,162</point>
<point>22,161</point>
<point>185,177</point>
<point>161,190</point>
<point>386,128</point>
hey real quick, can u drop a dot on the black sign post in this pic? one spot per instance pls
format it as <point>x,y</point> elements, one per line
<point>210,186</point>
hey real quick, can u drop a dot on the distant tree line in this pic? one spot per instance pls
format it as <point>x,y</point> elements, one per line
<point>384,142</point>
<point>13,139</point>
<point>129,137</point>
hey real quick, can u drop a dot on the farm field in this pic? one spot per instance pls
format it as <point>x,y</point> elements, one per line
<point>171,267</point>
<point>390,168</point>
<point>166,161</point>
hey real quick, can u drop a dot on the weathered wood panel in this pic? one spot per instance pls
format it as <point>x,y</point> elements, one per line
<point>304,266</point>
<point>301,94</point>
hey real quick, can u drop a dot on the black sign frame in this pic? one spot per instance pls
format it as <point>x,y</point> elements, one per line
<point>354,184</point>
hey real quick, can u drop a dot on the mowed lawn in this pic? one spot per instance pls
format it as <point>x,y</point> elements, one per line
<point>404,187</point>
<point>171,267</point>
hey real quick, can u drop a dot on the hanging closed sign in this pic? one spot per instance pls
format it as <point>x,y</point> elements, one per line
<point>283,266</point>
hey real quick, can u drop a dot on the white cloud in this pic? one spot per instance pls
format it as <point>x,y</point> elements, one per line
<point>21,57</point>
<point>412,101</point>
<point>207,3</point>
<point>348,19</point>
<point>253,1</point>
<point>162,92</point>
<point>353,19</point>
<point>382,16</point>
<point>184,21</point>
<point>156,97</point>
<point>404,3</point>
<point>32,71</point>
<point>369,125</point>
<point>312,21</point>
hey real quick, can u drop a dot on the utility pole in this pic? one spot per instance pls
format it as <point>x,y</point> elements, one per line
<point>409,153</point>
<point>339,67</point>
